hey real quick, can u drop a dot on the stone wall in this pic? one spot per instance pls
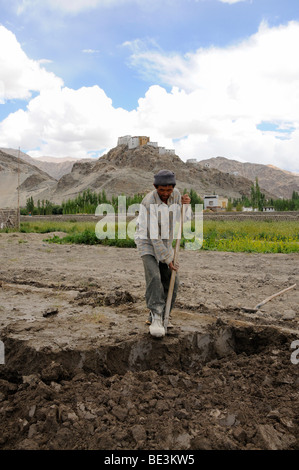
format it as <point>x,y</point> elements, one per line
<point>222,215</point>
<point>8,218</point>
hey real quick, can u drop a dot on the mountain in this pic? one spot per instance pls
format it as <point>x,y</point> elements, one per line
<point>124,171</point>
<point>120,171</point>
<point>33,181</point>
<point>55,167</point>
<point>280,182</point>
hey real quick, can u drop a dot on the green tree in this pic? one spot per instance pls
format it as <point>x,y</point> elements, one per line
<point>195,198</point>
<point>229,206</point>
<point>257,197</point>
<point>30,205</point>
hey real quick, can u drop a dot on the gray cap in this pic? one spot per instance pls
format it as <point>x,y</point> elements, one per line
<point>164,178</point>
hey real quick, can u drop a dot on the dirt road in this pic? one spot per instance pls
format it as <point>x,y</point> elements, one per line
<point>82,372</point>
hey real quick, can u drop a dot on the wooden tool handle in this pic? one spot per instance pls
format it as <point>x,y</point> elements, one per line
<point>275,295</point>
<point>173,273</point>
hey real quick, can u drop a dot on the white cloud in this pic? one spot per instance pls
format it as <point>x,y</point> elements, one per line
<point>19,75</point>
<point>256,73</point>
<point>45,61</point>
<point>229,91</point>
<point>232,1</point>
<point>69,6</point>
<point>76,6</point>
<point>218,98</point>
<point>90,51</point>
<point>65,122</point>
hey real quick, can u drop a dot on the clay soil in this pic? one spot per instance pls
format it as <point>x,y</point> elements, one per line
<point>82,371</point>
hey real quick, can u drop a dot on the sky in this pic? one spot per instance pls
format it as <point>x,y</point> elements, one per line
<point>207,78</point>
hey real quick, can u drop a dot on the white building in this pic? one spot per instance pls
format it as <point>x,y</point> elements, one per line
<point>210,202</point>
<point>124,140</point>
<point>133,143</point>
<point>249,209</point>
<point>191,160</point>
<point>138,141</point>
<point>164,151</point>
<point>215,202</point>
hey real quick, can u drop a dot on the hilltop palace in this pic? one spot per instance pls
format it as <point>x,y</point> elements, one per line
<point>139,141</point>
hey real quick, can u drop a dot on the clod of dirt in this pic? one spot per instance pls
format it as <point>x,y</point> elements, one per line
<point>54,373</point>
<point>96,298</point>
<point>50,312</point>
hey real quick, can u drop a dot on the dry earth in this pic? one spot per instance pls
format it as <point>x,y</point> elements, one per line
<point>82,372</point>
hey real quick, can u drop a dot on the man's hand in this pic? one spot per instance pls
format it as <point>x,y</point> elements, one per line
<point>174,267</point>
<point>186,199</point>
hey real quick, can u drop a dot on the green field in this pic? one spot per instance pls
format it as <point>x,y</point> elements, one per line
<point>252,236</point>
<point>235,236</point>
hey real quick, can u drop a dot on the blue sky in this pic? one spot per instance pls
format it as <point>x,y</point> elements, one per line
<point>206,77</point>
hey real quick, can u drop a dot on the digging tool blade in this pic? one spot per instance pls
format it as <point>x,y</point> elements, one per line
<point>258,306</point>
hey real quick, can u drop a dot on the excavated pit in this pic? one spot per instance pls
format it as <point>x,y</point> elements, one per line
<point>229,387</point>
<point>187,352</point>
<point>82,372</point>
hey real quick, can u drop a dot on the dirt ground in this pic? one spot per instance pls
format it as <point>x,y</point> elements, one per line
<point>81,370</point>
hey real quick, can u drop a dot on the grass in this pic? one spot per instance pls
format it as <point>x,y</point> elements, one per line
<point>252,236</point>
<point>221,235</point>
<point>52,226</point>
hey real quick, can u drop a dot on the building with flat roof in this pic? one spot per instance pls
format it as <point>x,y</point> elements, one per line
<point>215,202</point>
<point>140,141</point>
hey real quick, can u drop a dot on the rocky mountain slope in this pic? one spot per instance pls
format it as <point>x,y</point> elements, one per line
<point>120,171</point>
<point>33,181</point>
<point>124,171</point>
<point>55,167</point>
<point>273,179</point>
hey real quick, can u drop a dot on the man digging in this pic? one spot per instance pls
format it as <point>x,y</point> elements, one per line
<point>159,210</point>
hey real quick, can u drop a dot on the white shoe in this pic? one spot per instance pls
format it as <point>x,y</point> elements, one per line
<point>156,328</point>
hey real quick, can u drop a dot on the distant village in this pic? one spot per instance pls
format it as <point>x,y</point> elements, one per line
<point>217,203</point>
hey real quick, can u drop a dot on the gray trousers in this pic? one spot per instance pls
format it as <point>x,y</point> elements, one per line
<point>157,278</point>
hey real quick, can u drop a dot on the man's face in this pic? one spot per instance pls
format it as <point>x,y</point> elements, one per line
<point>164,192</point>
